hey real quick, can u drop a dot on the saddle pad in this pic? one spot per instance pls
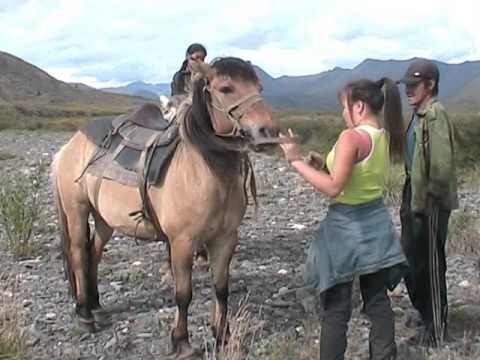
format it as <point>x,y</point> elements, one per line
<point>122,166</point>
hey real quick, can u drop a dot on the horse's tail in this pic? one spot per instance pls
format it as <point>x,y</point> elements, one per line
<point>63,226</point>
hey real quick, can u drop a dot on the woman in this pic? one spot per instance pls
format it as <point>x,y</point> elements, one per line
<point>181,80</point>
<point>357,238</point>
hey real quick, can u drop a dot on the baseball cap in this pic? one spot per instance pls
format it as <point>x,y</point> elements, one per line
<point>420,70</point>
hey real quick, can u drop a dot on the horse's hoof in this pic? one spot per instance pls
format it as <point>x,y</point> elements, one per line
<point>86,325</point>
<point>102,318</point>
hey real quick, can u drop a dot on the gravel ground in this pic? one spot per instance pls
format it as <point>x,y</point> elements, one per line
<point>266,271</point>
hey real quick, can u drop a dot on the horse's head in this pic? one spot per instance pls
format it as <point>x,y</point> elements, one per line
<point>231,91</point>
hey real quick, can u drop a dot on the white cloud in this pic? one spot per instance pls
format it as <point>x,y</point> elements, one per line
<point>111,42</point>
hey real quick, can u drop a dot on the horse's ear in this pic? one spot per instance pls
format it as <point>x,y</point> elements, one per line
<point>201,70</point>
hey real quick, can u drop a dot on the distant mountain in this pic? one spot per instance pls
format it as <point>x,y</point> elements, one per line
<point>459,84</point>
<point>140,88</point>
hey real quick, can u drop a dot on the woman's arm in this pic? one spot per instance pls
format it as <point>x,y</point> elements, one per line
<point>345,156</point>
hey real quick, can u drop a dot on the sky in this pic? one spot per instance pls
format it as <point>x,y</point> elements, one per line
<point>114,42</point>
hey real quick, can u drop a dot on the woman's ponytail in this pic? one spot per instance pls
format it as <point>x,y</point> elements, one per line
<point>393,118</point>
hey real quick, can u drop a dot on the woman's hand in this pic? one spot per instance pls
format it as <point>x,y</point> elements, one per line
<point>290,149</point>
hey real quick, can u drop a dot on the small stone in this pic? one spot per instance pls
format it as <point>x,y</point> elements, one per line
<point>281,304</point>
<point>308,301</point>
<point>282,272</point>
<point>398,311</point>
<point>397,292</point>
<point>111,343</point>
<point>464,284</point>
<point>283,290</point>
<point>205,291</point>
<point>144,335</point>
<point>32,341</point>
<point>136,263</point>
<point>50,316</point>
<point>300,331</point>
<point>84,337</point>
<point>117,285</point>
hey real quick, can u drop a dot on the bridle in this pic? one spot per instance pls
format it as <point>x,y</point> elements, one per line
<point>232,113</point>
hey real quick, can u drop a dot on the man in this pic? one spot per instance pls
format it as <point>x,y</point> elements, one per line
<point>429,195</point>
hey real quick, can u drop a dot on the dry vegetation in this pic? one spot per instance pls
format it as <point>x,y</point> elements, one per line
<point>65,116</point>
<point>12,338</point>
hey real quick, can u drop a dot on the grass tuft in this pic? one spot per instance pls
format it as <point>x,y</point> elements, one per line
<point>12,338</point>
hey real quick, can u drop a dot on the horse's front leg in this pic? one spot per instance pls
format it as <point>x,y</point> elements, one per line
<point>182,261</point>
<point>220,254</point>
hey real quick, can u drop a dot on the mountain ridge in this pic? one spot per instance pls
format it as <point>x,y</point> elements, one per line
<point>458,84</point>
<point>27,85</point>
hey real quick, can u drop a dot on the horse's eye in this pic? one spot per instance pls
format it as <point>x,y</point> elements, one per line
<point>226,90</point>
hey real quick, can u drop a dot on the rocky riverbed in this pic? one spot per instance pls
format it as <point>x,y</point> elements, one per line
<point>266,274</point>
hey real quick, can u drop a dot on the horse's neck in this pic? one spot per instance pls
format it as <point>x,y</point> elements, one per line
<point>193,164</point>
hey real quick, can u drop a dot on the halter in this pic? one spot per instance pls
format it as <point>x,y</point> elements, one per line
<point>234,112</point>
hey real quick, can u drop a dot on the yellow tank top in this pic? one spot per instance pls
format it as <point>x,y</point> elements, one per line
<point>368,177</point>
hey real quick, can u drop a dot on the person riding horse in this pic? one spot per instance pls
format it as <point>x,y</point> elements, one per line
<point>182,79</point>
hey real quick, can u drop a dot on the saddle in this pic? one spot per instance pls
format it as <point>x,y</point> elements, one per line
<point>132,146</point>
<point>132,149</point>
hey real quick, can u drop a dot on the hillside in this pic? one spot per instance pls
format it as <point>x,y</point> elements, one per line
<point>27,91</point>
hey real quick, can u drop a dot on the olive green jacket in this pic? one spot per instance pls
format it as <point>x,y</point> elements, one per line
<point>433,173</point>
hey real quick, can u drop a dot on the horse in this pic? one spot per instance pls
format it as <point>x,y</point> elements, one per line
<point>198,205</point>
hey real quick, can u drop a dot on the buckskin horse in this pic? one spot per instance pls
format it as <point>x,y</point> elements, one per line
<point>198,204</point>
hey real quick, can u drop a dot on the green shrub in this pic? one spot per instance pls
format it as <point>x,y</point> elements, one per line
<point>467,129</point>
<point>18,212</point>
<point>317,132</point>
